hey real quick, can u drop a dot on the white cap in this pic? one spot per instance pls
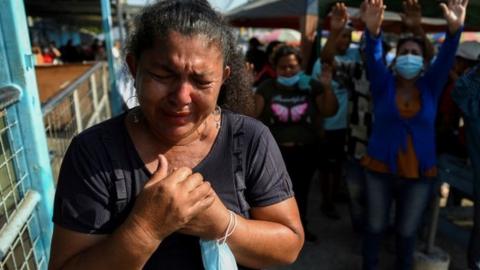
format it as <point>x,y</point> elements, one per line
<point>469,50</point>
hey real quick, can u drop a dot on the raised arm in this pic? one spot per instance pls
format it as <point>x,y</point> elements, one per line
<point>372,15</point>
<point>412,20</point>
<point>326,102</point>
<point>436,76</point>
<point>454,13</point>
<point>338,21</point>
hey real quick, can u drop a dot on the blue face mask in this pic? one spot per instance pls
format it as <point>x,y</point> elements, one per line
<point>289,81</point>
<point>217,256</point>
<point>408,66</point>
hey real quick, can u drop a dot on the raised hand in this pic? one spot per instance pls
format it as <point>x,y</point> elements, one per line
<point>325,77</point>
<point>373,15</point>
<point>412,14</point>
<point>168,202</point>
<point>339,17</point>
<point>454,13</point>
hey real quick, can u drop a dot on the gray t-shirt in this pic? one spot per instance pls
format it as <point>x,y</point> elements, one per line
<point>102,171</point>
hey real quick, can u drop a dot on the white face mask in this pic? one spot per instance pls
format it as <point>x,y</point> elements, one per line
<point>408,66</point>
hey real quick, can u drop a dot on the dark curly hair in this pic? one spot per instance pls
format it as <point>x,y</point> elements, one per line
<point>191,18</point>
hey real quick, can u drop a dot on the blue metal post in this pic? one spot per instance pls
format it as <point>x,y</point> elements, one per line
<point>115,98</point>
<point>21,69</point>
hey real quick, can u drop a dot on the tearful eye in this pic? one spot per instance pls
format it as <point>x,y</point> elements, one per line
<point>161,77</point>
<point>203,83</point>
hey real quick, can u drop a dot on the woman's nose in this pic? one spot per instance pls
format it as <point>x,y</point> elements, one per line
<point>181,94</point>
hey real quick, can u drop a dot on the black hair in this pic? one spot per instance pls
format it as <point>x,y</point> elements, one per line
<point>254,42</point>
<point>285,50</point>
<point>414,39</point>
<point>271,46</point>
<point>192,18</point>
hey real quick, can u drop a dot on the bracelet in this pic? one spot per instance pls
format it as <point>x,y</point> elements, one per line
<point>232,225</point>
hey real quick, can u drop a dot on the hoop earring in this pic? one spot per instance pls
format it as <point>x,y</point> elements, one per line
<point>217,116</point>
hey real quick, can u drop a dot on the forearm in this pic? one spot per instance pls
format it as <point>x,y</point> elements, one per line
<point>374,59</point>
<point>437,74</point>
<point>429,49</point>
<point>329,50</point>
<point>127,248</point>
<point>261,244</point>
<point>327,103</point>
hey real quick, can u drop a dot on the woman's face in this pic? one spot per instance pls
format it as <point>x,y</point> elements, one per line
<point>178,81</point>
<point>287,66</point>
<point>343,41</point>
<point>410,47</point>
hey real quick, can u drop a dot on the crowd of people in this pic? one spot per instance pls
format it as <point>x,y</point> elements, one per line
<point>69,53</point>
<point>189,179</point>
<point>381,140</point>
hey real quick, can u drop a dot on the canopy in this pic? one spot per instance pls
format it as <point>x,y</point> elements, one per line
<point>287,13</point>
<point>272,13</point>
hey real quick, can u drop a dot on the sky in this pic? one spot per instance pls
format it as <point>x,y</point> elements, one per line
<point>221,5</point>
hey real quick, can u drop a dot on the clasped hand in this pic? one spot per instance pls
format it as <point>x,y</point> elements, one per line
<point>179,201</point>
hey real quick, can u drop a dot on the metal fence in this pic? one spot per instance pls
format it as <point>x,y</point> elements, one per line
<point>82,104</point>
<point>20,231</point>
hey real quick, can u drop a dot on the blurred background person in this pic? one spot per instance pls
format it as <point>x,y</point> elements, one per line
<point>290,106</point>
<point>267,71</point>
<point>347,68</point>
<point>255,55</point>
<point>401,161</point>
<point>467,96</point>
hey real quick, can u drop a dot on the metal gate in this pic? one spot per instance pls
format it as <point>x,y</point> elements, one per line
<point>26,185</point>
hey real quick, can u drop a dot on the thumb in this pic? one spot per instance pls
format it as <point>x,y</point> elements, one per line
<point>162,168</point>
<point>160,173</point>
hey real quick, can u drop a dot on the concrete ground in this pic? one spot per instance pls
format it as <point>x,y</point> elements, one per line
<point>339,248</point>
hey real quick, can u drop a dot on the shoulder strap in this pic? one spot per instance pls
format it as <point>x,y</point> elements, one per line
<point>238,167</point>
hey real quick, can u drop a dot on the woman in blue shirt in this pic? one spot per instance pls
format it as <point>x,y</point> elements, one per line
<point>401,161</point>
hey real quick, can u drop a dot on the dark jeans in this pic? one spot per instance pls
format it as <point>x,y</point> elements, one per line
<point>301,164</point>
<point>473,144</point>
<point>412,197</point>
<point>355,180</point>
<point>332,157</point>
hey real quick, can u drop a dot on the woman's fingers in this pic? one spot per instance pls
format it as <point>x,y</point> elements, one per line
<point>201,192</point>
<point>202,205</point>
<point>445,10</point>
<point>201,198</point>
<point>162,168</point>
<point>191,182</point>
<point>161,172</point>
